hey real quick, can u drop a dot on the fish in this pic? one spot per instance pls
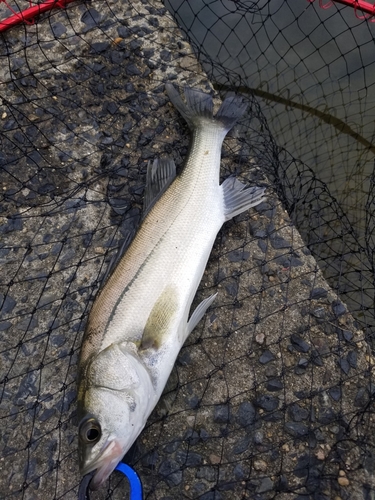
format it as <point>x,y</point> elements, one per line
<point>141,317</point>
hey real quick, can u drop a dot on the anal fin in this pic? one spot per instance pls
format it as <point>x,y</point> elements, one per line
<point>238,198</point>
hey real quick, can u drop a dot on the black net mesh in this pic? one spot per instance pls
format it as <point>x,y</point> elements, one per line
<point>271,397</point>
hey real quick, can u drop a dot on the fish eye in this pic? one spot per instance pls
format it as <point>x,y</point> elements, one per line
<point>90,431</point>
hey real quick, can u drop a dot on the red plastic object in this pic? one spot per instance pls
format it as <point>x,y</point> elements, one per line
<point>366,7</point>
<point>27,16</point>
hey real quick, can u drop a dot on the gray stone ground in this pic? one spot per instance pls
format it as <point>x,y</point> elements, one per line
<point>271,395</point>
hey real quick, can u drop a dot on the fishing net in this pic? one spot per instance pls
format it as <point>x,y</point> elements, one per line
<point>272,395</point>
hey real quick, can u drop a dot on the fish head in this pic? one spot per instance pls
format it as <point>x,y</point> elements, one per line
<point>104,436</point>
<point>114,401</point>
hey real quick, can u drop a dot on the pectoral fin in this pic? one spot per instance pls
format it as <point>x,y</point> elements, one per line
<point>159,321</point>
<point>198,314</point>
<point>238,198</point>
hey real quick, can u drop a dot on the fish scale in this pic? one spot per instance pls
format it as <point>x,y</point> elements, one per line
<point>140,319</point>
<point>165,243</point>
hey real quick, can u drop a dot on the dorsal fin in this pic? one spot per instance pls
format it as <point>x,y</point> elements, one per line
<point>117,257</point>
<point>160,175</point>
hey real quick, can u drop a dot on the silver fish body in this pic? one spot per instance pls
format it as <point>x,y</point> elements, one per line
<point>140,319</point>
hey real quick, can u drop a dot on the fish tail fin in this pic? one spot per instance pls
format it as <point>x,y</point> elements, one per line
<point>198,104</point>
<point>199,108</point>
<point>231,110</point>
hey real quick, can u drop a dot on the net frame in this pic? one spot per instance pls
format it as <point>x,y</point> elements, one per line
<point>28,15</point>
<point>358,5</point>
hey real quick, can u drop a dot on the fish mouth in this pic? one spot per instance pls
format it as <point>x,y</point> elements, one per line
<point>110,456</point>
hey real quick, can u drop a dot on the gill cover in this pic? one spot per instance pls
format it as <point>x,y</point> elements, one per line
<point>116,402</point>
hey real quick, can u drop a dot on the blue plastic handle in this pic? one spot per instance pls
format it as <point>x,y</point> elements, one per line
<point>134,481</point>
